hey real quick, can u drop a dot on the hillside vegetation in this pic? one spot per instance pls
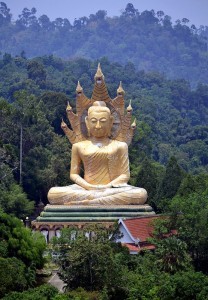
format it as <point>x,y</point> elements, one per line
<point>148,39</point>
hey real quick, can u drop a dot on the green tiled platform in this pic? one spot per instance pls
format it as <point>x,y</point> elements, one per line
<point>62,213</point>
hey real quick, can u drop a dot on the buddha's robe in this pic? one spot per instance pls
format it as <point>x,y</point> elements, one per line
<point>103,165</point>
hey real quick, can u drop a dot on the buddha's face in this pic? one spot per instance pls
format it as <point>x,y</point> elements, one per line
<point>99,123</point>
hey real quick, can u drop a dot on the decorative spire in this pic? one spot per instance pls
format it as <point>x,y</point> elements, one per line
<point>63,124</point>
<point>122,129</point>
<point>68,108</point>
<point>99,77</point>
<point>129,108</point>
<point>120,90</point>
<point>133,125</point>
<point>79,89</point>
<point>100,91</point>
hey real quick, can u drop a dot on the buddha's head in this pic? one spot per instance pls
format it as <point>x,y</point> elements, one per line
<point>99,120</point>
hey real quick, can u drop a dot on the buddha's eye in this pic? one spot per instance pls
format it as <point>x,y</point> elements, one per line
<point>93,121</point>
<point>103,120</point>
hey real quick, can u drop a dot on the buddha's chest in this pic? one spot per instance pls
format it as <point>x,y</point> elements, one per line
<point>99,152</point>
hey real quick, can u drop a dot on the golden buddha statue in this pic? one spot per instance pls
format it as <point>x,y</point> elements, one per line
<point>100,135</point>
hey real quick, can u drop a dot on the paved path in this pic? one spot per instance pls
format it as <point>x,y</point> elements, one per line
<point>57,282</point>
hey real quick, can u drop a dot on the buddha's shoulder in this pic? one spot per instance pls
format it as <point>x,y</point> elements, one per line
<point>119,144</point>
<point>81,144</point>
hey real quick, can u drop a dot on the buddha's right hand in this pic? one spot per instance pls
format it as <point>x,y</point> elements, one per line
<point>99,186</point>
<point>89,186</point>
<point>81,182</point>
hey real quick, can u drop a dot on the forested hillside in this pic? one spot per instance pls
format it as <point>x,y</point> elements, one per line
<point>148,39</point>
<point>172,121</point>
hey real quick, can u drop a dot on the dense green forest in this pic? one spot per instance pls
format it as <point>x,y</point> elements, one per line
<point>94,267</point>
<point>148,39</point>
<point>163,69</point>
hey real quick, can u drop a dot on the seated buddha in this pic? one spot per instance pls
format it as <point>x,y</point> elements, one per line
<point>101,132</point>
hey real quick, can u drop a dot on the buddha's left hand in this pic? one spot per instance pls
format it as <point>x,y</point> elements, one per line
<point>119,185</point>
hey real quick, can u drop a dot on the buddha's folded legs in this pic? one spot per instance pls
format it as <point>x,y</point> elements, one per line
<point>76,195</point>
<point>61,195</point>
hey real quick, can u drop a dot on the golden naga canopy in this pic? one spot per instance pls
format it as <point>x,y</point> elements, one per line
<point>122,129</point>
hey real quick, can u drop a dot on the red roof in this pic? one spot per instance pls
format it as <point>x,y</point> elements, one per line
<point>131,247</point>
<point>135,248</point>
<point>141,228</point>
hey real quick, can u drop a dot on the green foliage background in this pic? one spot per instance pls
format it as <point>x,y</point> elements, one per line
<point>148,39</point>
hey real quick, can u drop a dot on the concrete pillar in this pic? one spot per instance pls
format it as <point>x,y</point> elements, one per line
<point>51,234</point>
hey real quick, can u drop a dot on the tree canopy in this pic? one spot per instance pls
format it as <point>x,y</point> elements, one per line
<point>21,252</point>
<point>149,39</point>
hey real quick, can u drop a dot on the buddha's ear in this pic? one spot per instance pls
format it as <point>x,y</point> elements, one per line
<point>111,125</point>
<point>87,125</point>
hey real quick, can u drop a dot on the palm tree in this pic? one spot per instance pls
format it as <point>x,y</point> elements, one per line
<point>172,255</point>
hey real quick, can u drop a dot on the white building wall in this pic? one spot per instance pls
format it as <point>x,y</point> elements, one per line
<point>126,238</point>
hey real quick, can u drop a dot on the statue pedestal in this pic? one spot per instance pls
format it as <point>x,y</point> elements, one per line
<point>55,217</point>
